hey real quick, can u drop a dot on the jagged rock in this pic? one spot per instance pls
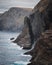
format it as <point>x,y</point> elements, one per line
<point>11,38</point>
<point>39,26</point>
<point>13,19</point>
<point>24,38</point>
<point>37,22</point>
<point>42,52</point>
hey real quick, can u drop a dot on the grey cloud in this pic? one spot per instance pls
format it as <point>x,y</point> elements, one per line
<point>6,4</point>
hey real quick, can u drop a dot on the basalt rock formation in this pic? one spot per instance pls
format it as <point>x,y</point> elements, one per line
<point>13,19</point>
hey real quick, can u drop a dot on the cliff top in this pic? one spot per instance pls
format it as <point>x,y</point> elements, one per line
<point>42,5</point>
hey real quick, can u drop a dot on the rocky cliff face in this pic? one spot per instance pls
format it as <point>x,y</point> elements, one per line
<point>38,27</point>
<point>13,19</point>
<point>37,22</point>
<point>42,52</point>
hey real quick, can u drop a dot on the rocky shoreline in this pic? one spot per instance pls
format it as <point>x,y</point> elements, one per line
<point>38,27</point>
<point>42,52</point>
<point>36,23</point>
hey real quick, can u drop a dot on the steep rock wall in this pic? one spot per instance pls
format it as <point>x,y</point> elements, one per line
<point>37,22</point>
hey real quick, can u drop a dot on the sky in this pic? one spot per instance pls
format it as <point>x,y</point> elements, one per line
<point>6,4</point>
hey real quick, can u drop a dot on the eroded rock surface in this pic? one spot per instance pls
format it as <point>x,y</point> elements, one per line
<point>37,22</point>
<point>42,52</point>
<point>38,27</point>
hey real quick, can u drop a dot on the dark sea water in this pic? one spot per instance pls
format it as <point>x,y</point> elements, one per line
<point>11,53</point>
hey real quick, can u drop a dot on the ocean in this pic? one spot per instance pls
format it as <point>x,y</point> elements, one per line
<point>11,53</point>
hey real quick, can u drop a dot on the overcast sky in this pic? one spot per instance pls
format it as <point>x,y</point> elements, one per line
<point>6,4</point>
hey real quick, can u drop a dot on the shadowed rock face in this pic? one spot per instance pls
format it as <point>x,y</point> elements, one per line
<point>42,52</point>
<point>13,19</point>
<point>24,38</point>
<point>38,27</point>
<point>37,22</point>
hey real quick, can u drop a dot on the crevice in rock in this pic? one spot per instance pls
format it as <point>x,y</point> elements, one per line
<point>30,30</point>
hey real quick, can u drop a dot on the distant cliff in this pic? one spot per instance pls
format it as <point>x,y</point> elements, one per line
<point>13,19</point>
<point>38,29</point>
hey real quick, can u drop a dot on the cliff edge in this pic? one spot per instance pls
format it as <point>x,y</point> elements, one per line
<point>38,27</point>
<point>36,23</point>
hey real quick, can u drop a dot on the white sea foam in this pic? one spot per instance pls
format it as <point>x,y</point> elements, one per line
<point>15,46</point>
<point>12,51</point>
<point>26,55</point>
<point>21,63</point>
